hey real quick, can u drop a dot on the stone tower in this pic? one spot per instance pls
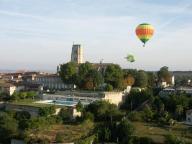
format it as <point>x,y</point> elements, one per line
<point>77,54</point>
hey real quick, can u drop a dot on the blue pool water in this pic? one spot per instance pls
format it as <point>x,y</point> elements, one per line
<point>63,102</point>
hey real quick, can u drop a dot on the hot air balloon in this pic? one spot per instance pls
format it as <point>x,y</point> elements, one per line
<point>130,58</point>
<point>144,32</point>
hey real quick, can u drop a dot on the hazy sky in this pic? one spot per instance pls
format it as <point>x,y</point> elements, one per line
<point>38,34</point>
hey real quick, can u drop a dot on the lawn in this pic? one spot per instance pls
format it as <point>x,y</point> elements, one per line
<point>157,133</point>
<point>30,102</point>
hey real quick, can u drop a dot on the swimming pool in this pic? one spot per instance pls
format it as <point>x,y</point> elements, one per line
<point>63,102</point>
<point>66,102</point>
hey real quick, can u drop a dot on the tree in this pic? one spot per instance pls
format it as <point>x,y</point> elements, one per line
<point>129,80</point>
<point>64,114</point>
<point>47,111</point>
<point>164,75</point>
<point>152,78</point>
<point>141,79</point>
<point>109,87</point>
<point>179,111</point>
<point>8,127</point>
<point>68,72</point>
<point>103,110</point>
<point>125,131</point>
<point>148,114</point>
<point>82,72</point>
<point>114,76</point>
<point>22,117</point>
<point>79,106</point>
<point>93,79</point>
<point>84,69</point>
<point>88,116</point>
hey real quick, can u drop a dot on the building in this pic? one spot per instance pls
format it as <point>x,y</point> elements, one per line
<point>170,90</point>
<point>51,82</point>
<point>87,97</point>
<point>167,91</point>
<point>7,88</point>
<point>77,54</point>
<point>163,83</point>
<point>12,77</point>
<point>189,117</point>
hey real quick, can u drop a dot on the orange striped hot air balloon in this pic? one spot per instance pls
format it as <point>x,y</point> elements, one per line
<point>144,32</point>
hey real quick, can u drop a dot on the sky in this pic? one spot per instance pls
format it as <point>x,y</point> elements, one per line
<point>38,34</point>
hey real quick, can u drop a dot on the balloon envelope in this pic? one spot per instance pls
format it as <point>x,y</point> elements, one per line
<point>130,58</point>
<point>144,32</point>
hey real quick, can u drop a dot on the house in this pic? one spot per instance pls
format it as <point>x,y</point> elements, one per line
<point>167,83</point>
<point>12,77</point>
<point>189,117</point>
<point>7,88</point>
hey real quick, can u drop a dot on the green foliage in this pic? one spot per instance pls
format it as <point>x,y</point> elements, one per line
<point>141,79</point>
<point>92,80</point>
<point>22,118</point>
<point>64,114</point>
<point>103,110</point>
<point>82,73</point>
<point>145,140</point>
<point>142,140</point>
<point>176,104</point>
<point>104,134</point>
<point>68,72</point>
<point>20,115</point>
<point>24,95</point>
<point>152,77</point>
<point>47,111</point>
<point>135,99</point>
<point>135,116</point>
<point>172,139</point>
<point>8,127</point>
<point>114,76</point>
<point>59,137</point>
<point>148,114</point>
<point>164,74</point>
<point>79,106</point>
<point>87,140</point>
<point>88,116</point>
<point>179,111</point>
<point>125,131</point>
<point>109,87</point>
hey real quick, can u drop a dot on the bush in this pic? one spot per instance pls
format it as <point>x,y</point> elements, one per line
<point>135,116</point>
<point>64,115</point>
<point>172,139</point>
<point>109,87</point>
<point>47,111</point>
<point>142,140</point>
<point>88,116</point>
<point>87,140</point>
<point>125,131</point>
<point>59,137</point>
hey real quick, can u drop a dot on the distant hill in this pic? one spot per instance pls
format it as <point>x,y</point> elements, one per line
<point>182,73</point>
<point>6,71</point>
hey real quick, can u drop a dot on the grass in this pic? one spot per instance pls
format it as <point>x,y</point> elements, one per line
<point>31,102</point>
<point>158,133</point>
<point>70,132</point>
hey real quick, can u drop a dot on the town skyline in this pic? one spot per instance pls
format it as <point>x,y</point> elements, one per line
<point>39,35</point>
